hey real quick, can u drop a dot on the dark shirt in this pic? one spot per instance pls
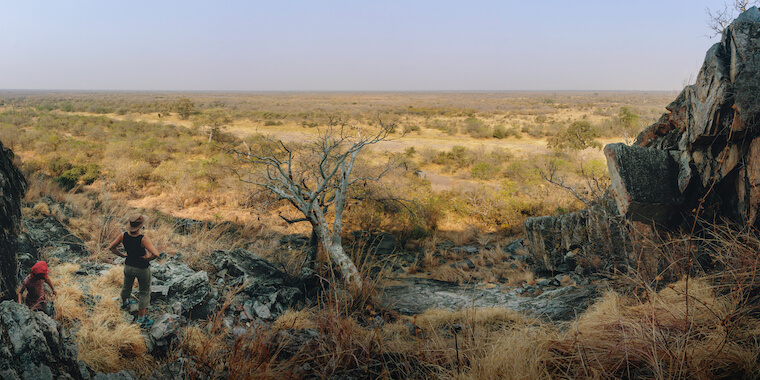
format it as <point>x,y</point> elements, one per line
<point>135,251</point>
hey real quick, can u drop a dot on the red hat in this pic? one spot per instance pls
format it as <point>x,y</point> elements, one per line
<point>40,269</point>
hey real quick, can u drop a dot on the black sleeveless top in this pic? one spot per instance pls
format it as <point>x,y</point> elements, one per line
<point>135,251</point>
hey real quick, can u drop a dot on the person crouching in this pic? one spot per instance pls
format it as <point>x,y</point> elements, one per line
<point>34,285</point>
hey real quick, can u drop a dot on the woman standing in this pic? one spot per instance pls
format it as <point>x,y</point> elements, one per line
<point>140,251</point>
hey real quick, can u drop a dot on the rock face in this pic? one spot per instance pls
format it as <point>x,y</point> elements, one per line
<point>553,303</point>
<point>579,241</point>
<point>265,292</point>
<point>644,182</point>
<point>35,347</point>
<point>701,159</point>
<point>49,234</point>
<point>177,283</point>
<point>704,153</point>
<point>12,189</point>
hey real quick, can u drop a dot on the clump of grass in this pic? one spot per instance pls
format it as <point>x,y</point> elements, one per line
<point>681,332</point>
<point>68,301</point>
<point>108,344</point>
<point>521,353</point>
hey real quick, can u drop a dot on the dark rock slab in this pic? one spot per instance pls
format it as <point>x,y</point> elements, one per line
<point>266,292</point>
<point>190,289</point>
<point>644,182</point>
<point>165,333</point>
<point>419,295</point>
<point>12,189</point>
<point>51,235</point>
<point>597,235</point>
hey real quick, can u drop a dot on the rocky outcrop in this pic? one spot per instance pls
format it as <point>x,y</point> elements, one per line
<point>703,155</point>
<point>265,291</point>
<point>701,159</point>
<point>49,234</point>
<point>35,347</point>
<point>12,189</point>
<point>590,239</point>
<point>178,284</point>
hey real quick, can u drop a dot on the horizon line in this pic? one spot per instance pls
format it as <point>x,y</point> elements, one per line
<point>318,91</point>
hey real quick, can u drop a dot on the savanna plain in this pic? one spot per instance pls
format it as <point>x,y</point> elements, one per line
<point>458,169</point>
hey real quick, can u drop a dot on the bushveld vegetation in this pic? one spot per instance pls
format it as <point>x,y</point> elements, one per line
<point>468,168</point>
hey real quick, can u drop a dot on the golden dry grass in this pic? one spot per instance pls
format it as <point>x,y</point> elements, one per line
<point>107,342</point>
<point>68,302</point>
<point>110,347</point>
<point>676,333</point>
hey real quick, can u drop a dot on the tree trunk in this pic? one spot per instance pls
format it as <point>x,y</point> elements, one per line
<point>334,248</point>
<point>307,271</point>
<point>311,253</point>
<point>347,267</point>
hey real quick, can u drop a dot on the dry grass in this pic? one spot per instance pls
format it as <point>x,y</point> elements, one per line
<point>107,342</point>
<point>110,347</point>
<point>521,353</point>
<point>68,303</point>
<point>295,319</point>
<point>674,334</point>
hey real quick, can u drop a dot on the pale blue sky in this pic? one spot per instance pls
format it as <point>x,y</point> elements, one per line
<point>336,45</point>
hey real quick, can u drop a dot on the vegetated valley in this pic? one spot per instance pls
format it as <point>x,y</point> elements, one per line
<point>448,188</point>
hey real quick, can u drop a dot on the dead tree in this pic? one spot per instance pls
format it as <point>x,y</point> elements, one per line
<point>315,178</point>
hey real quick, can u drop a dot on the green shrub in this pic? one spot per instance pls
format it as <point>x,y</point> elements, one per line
<point>476,128</point>
<point>457,157</point>
<point>484,171</point>
<point>500,132</point>
<point>449,127</point>
<point>85,174</point>
<point>578,136</point>
<point>91,173</point>
<point>57,165</point>
<point>68,179</point>
<point>412,128</point>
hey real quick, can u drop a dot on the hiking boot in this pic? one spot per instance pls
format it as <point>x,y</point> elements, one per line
<point>125,305</point>
<point>146,323</point>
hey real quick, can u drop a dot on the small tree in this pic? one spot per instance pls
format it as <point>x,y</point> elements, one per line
<point>184,107</point>
<point>719,19</point>
<point>627,118</point>
<point>315,178</point>
<point>578,136</point>
<point>213,121</point>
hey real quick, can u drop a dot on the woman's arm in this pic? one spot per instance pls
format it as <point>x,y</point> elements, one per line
<point>151,251</point>
<point>47,280</point>
<point>20,291</point>
<point>113,247</point>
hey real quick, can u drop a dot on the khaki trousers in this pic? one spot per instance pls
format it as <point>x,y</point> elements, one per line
<point>143,281</point>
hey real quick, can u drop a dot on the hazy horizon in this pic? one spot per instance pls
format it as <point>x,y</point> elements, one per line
<point>342,46</point>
